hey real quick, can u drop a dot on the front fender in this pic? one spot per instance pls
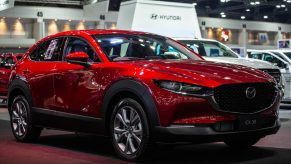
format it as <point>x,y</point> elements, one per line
<point>138,89</point>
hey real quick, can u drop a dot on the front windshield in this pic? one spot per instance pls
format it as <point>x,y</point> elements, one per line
<point>278,54</point>
<point>288,54</point>
<point>122,47</point>
<point>209,48</point>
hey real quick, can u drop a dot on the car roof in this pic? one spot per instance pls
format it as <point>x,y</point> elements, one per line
<point>100,32</point>
<point>281,50</point>
<point>91,32</point>
<point>196,39</point>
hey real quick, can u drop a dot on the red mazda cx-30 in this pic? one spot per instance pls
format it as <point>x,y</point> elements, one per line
<point>138,88</point>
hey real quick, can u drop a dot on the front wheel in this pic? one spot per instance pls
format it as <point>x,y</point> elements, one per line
<point>21,121</point>
<point>129,130</point>
<point>240,142</point>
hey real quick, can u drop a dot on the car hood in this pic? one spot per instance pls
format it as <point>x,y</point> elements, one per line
<point>202,72</point>
<point>254,63</point>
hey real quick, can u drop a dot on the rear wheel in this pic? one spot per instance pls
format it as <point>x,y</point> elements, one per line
<point>129,130</point>
<point>21,121</point>
<point>239,142</point>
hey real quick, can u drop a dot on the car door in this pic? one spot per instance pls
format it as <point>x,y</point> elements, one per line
<point>73,83</point>
<point>39,70</point>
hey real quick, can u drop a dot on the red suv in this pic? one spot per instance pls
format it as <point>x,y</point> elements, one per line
<point>138,88</point>
<point>7,61</point>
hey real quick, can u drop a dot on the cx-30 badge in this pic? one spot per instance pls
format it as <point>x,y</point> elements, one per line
<point>251,92</point>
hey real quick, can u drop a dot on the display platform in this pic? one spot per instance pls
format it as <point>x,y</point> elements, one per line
<point>64,147</point>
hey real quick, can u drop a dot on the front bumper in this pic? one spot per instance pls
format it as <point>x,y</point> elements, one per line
<point>200,134</point>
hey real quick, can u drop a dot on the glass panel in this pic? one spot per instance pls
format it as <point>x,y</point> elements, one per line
<point>134,47</point>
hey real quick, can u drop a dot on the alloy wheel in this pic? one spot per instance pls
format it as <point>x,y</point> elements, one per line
<point>128,130</point>
<point>19,118</point>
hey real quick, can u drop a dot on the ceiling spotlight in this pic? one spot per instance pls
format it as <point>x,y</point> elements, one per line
<point>288,1</point>
<point>257,2</point>
<point>253,3</point>
<point>222,13</point>
<point>248,10</point>
<point>266,17</point>
<point>223,16</point>
<point>283,5</point>
<point>278,6</point>
<point>242,17</point>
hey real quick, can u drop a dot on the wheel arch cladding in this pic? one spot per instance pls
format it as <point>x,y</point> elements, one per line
<point>133,89</point>
<point>18,87</point>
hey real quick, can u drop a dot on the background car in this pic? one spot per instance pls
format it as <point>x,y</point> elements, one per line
<point>215,51</point>
<point>138,89</point>
<point>7,62</point>
<point>283,63</point>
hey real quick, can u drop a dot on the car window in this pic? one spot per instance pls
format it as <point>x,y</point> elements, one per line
<point>1,61</point>
<point>79,45</point>
<point>209,48</point>
<point>273,59</point>
<point>9,60</point>
<point>50,50</point>
<point>288,54</point>
<point>18,57</point>
<point>256,55</point>
<point>278,54</point>
<point>135,47</point>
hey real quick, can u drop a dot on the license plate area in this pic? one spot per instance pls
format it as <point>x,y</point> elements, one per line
<point>249,123</point>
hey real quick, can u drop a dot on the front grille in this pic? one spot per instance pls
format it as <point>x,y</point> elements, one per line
<point>273,72</point>
<point>233,98</point>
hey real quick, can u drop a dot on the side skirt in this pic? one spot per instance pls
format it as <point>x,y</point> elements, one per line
<point>66,121</point>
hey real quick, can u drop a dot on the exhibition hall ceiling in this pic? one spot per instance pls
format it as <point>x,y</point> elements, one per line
<point>257,10</point>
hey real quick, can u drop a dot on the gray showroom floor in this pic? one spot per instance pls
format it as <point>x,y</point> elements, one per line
<point>62,147</point>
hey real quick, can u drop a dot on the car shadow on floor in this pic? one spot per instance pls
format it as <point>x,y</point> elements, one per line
<point>190,153</point>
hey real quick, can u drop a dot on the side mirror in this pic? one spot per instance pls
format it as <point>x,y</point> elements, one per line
<point>80,58</point>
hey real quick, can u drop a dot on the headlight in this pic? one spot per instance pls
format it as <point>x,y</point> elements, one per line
<point>182,88</point>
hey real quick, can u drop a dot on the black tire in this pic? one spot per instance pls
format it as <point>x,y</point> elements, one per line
<point>21,121</point>
<point>241,143</point>
<point>126,145</point>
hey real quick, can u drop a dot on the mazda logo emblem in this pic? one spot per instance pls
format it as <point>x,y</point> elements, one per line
<point>251,93</point>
